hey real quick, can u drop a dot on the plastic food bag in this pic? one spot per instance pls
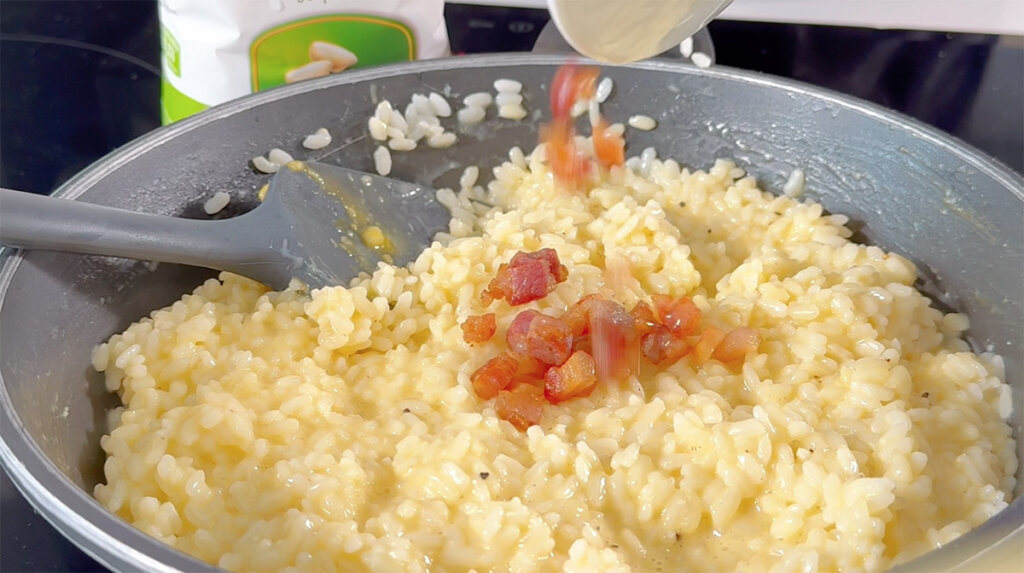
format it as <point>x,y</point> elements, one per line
<point>217,50</point>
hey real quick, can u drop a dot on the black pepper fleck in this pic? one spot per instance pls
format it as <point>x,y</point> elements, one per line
<point>682,203</point>
<point>614,546</point>
<point>678,537</point>
<point>925,395</point>
<point>485,475</point>
<point>405,410</point>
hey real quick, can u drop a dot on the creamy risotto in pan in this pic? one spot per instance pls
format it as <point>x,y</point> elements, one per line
<point>340,429</point>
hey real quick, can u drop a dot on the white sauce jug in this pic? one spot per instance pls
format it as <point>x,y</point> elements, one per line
<point>622,31</point>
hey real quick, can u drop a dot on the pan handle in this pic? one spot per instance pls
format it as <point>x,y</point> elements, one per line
<point>34,221</point>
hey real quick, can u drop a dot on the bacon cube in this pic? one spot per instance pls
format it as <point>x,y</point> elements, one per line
<point>518,331</point>
<point>644,319</point>
<point>478,329</point>
<point>494,376</point>
<point>709,339</point>
<point>523,406</point>
<point>577,377</point>
<point>539,336</point>
<point>526,278</point>
<point>578,315</point>
<point>549,340</point>
<point>662,347</point>
<point>680,315</point>
<point>737,344</point>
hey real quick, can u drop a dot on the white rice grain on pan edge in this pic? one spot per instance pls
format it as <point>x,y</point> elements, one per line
<point>319,139</point>
<point>383,111</point>
<point>515,112</point>
<point>382,160</point>
<point>604,89</point>
<point>265,165</point>
<point>378,128</point>
<point>505,85</point>
<point>216,204</point>
<point>795,184</point>
<point>469,177</point>
<point>508,98</point>
<point>280,156</point>
<point>471,115</point>
<point>275,159</point>
<point>442,140</point>
<point>401,144</point>
<point>701,60</point>
<point>441,106</point>
<point>686,47</point>
<point>642,122</point>
<point>478,99</point>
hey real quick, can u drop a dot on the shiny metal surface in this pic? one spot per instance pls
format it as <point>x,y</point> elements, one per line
<point>905,186</point>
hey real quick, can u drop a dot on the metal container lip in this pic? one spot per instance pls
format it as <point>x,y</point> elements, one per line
<point>119,546</point>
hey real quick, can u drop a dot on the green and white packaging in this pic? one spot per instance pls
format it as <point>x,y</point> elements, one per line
<point>217,50</point>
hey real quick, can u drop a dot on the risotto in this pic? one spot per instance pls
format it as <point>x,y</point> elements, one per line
<point>338,429</point>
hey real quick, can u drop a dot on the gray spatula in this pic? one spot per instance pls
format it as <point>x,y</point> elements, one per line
<point>319,223</point>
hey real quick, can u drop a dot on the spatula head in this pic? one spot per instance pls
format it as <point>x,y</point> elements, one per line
<point>334,222</point>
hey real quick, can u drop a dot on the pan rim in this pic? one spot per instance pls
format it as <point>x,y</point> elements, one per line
<point>90,526</point>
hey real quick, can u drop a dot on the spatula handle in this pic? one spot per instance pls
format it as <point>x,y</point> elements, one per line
<point>38,222</point>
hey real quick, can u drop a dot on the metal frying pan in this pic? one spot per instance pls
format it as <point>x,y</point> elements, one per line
<point>905,186</point>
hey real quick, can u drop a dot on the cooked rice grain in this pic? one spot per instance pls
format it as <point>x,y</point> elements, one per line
<point>216,203</point>
<point>478,99</point>
<point>338,430</point>
<point>471,115</point>
<point>280,156</point>
<point>512,111</point>
<point>505,85</point>
<point>604,89</point>
<point>319,139</point>
<point>382,160</point>
<point>642,122</point>
<point>701,60</point>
